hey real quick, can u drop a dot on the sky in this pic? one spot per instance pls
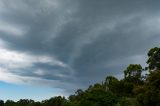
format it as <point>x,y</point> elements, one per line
<point>53,47</point>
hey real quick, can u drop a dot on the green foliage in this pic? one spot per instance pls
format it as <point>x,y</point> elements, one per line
<point>98,98</point>
<point>150,96</point>
<point>133,73</point>
<point>111,83</point>
<point>154,59</point>
<point>133,70</point>
<point>94,96</point>
<point>125,101</point>
<point>56,101</point>
<point>1,103</point>
<point>9,103</point>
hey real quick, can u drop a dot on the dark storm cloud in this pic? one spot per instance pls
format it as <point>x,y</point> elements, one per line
<point>87,39</point>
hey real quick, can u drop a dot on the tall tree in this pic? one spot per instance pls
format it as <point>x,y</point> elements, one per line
<point>111,83</point>
<point>1,103</point>
<point>133,73</point>
<point>154,59</point>
<point>9,103</point>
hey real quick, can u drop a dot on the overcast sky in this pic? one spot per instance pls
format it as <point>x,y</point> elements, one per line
<point>53,47</point>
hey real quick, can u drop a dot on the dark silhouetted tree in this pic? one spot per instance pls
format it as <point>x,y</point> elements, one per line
<point>154,59</point>
<point>133,73</point>
<point>1,103</point>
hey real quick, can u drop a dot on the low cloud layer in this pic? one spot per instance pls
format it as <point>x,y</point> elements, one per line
<point>69,44</point>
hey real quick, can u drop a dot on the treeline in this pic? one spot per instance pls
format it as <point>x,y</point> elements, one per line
<point>135,89</point>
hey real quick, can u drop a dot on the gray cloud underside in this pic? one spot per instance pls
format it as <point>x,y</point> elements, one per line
<point>91,39</point>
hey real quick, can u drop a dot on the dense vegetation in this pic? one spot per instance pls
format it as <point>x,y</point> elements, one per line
<point>135,89</point>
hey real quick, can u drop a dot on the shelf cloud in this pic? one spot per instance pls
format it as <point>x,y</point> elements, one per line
<point>70,44</point>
